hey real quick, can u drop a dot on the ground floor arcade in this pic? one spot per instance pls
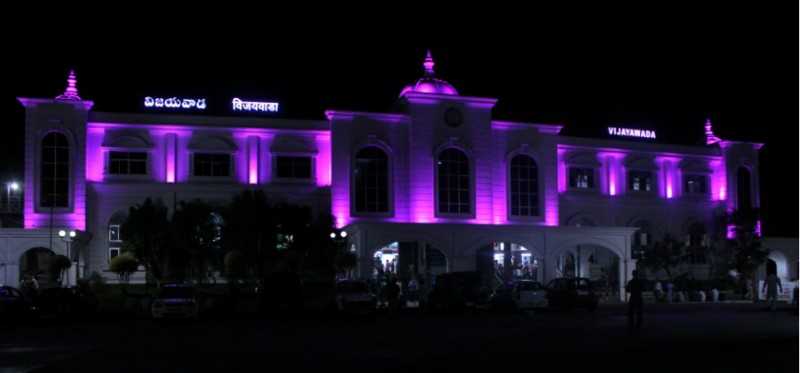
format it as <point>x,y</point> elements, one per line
<point>500,253</point>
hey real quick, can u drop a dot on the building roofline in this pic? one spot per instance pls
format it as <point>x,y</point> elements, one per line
<point>592,143</point>
<point>350,115</point>
<point>29,102</point>
<point>550,129</point>
<point>207,121</point>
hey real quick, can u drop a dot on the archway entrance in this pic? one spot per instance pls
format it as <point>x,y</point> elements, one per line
<point>496,268</point>
<point>36,263</point>
<point>597,263</point>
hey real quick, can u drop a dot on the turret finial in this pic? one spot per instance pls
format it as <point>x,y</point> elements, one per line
<point>710,137</point>
<point>71,93</point>
<point>428,64</point>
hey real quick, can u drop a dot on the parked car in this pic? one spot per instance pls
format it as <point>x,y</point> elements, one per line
<point>355,296</point>
<point>571,293</point>
<point>14,304</point>
<point>66,302</point>
<point>529,294</point>
<point>175,301</point>
<point>458,291</point>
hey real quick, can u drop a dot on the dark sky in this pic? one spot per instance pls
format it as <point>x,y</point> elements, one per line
<point>744,79</point>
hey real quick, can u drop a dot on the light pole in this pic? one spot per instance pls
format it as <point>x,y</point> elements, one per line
<point>339,241</point>
<point>10,187</point>
<point>67,237</point>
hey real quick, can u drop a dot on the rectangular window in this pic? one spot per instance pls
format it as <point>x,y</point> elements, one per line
<point>127,163</point>
<point>113,233</point>
<point>696,184</point>
<point>293,167</point>
<point>113,252</point>
<point>640,181</point>
<point>581,178</point>
<point>212,164</point>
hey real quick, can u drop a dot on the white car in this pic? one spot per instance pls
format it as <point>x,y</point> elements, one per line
<point>175,301</point>
<point>529,294</point>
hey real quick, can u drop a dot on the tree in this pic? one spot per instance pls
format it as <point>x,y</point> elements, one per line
<point>146,230</point>
<point>346,262</point>
<point>235,266</point>
<point>196,237</point>
<point>748,254</point>
<point>124,265</point>
<point>250,228</point>
<point>665,255</point>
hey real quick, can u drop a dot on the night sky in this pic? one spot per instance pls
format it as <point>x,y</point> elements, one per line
<point>744,80</point>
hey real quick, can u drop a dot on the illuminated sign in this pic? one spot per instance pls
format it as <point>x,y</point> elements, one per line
<point>264,107</point>
<point>175,103</point>
<point>632,132</point>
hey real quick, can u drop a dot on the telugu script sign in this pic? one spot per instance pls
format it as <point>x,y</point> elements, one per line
<point>175,103</point>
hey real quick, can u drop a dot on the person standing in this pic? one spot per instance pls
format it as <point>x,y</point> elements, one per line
<point>669,291</point>
<point>635,301</point>
<point>772,285</point>
<point>658,290</point>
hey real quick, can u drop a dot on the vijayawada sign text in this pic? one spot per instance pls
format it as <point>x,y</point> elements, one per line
<point>632,132</point>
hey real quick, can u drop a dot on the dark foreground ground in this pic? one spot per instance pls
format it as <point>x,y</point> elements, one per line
<point>675,338</point>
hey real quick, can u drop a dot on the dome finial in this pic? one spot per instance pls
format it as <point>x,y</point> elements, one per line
<point>710,137</point>
<point>428,64</point>
<point>71,93</point>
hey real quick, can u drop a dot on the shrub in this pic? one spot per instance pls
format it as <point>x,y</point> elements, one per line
<point>124,265</point>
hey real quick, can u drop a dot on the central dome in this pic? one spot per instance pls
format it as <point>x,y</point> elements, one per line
<point>428,83</point>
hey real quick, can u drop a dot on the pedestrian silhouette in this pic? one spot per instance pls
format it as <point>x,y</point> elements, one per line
<point>635,301</point>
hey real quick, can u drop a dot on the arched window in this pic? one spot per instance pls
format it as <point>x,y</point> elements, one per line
<point>743,188</point>
<point>524,188</point>
<point>54,180</point>
<point>454,182</point>
<point>371,180</point>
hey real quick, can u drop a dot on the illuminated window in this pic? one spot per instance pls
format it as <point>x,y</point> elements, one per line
<point>640,181</point>
<point>524,186</point>
<point>212,164</point>
<point>113,252</point>
<point>54,187</point>
<point>293,167</point>
<point>371,180</point>
<point>113,233</point>
<point>454,182</point>
<point>127,163</point>
<point>581,178</point>
<point>696,184</point>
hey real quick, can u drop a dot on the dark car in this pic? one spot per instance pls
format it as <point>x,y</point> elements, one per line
<point>355,297</point>
<point>66,302</point>
<point>175,301</point>
<point>458,291</point>
<point>15,304</point>
<point>570,293</point>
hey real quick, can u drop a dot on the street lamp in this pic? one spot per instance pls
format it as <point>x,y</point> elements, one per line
<point>68,237</point>
<point>10,187</point>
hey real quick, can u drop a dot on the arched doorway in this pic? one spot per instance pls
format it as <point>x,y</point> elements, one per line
<point>521,264</point>
<point>599,264</point>
<point>36,263</point>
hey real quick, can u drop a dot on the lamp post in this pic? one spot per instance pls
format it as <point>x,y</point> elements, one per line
<point>339,241</point>
<point>68,237</point>
<point>10,187</point>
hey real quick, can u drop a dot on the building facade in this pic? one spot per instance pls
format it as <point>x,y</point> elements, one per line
<point>438,185</point>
